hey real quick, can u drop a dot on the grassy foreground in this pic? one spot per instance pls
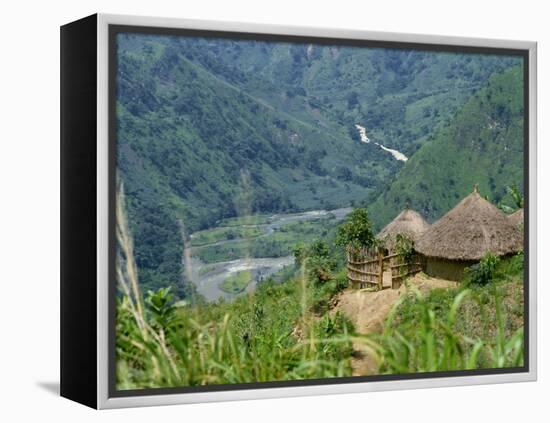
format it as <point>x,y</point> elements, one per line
<point>269,336</point>
<point>469,327</point>
<point>283,331</point>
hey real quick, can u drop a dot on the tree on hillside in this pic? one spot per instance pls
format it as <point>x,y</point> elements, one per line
<point>517,198</point>
<point>356,230</point>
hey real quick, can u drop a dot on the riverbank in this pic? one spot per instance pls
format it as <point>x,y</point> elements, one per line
<point>222,252</point>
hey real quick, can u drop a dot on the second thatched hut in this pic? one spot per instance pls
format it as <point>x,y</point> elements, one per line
<point>464,235</point>
<point>516,218</point>
<point>408,222</point>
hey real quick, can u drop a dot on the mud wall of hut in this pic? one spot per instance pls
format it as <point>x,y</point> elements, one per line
<point>447,269</point>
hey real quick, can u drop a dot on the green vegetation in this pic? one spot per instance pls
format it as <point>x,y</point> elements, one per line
<point>513,201</point>
<point>210,129</point>
<point>237,283</point>
<point>256,219</point>
<point>210,236</point>
<point>404,245</point>
<point>474,326</point>
<point>284,331</point>
<point>207,269</point>
<point>483,272</point>
<point>272,335</point>
<point>269,338</point>
<point>215,137</point>
<point>280,243</point>
<point>483,144</point>
<point>356,231</point>
<point>317,260</point>
<point>400,96</point>
<point>516,195</point>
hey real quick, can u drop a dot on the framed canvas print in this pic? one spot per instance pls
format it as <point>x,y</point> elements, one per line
<point>253,211</point>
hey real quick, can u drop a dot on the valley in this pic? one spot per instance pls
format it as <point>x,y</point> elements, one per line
<point>210,129</point>
<point>209,275</point>
<point>253,180</point>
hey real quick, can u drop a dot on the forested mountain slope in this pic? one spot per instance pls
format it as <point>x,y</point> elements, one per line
<point>482,145</point>
<point>193,149</point>
<point>214,128</point>
<point>400,96</point>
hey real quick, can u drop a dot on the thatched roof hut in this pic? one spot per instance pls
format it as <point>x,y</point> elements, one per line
<point>469,230</point>
<point>408,222</point>
<point>516,218</point>
<point>463,236</point>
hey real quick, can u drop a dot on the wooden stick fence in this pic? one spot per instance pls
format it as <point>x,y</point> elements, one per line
<point>366,267</point>
<point>401,268</point>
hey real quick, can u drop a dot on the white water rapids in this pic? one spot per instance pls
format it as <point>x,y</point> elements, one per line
<point>397,155</point>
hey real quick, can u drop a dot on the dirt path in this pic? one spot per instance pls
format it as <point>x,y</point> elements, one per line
<point>368,310</point>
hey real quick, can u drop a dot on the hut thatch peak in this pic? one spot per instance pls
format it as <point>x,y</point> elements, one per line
<point>408,222</point>
<point>468,231</point>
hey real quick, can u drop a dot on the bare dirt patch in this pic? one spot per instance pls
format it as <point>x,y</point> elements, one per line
<point>368,310</point>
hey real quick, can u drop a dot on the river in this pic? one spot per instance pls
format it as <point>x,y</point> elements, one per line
<point>208,277</point>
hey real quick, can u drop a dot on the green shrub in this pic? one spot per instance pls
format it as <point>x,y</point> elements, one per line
<point>516,196</point>
<point>511,266</point>
<point>483,272</point>
<point>316,260</point>
<point>161,309</point>
<point>332,333</point>
<point>356,230</point>
<point>404,245</point>
<point>325,292</point>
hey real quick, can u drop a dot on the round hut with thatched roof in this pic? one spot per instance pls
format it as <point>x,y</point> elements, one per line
<point>408,222</point>
<point>464,235</point>
<point>516,218</point>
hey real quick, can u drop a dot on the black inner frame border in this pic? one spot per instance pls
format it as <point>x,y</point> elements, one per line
<point>115,29</point>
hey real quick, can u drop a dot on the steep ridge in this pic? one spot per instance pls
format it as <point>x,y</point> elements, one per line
<point>482,145</point>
